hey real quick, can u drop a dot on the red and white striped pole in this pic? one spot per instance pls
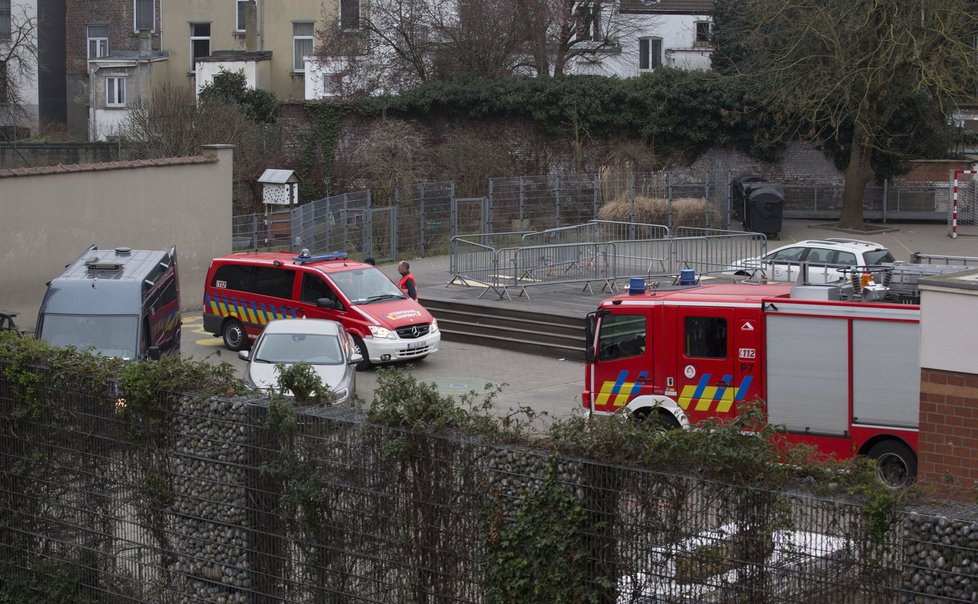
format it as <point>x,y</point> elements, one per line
<point>954,199</point>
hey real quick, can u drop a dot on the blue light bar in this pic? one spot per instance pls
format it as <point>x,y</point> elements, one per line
<point>305,258</point>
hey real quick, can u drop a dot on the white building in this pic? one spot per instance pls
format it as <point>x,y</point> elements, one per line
<point>649,34</point>
<point>118,81</point>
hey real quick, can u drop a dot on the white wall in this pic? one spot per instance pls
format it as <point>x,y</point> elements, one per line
<point>948,331</point>
<point>256,72</point>
<point>678,33</point>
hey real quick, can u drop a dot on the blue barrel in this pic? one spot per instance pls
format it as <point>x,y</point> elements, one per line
<point>687,276</point>
<point>636,285</point>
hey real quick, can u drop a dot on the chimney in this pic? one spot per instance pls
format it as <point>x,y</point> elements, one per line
<point>145,44</point>
<point>251,26</point>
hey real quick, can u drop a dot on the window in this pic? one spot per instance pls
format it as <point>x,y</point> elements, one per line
<point>200,43</point>
<point>115,91</point>
<point>3,82</point>
<point>314,288</point>
<point>649,53</point>
<point>302,34</point>
<point>791,254</point>
<point>621,336</point>
<point>589,21</point>
<point>240,14</point>
<point>846,258</point>
<point>4,19</point>
<point>98,41</point>
<point>274,282</point>
<point>233,276</point>
<point>144,15</point>
<point>349,14</point>
<point>706,337</point>
<point>702,33</point>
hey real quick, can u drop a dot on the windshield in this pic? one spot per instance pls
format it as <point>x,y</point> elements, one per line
<point>366,285</point>
<point>878,257</point>
<point>315,349</point>
<point>109,335</point>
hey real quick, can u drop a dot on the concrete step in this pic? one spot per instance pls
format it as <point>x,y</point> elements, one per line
<point>509,328</point>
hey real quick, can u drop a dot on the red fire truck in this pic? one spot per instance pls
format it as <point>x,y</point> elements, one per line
<point>840,374</point>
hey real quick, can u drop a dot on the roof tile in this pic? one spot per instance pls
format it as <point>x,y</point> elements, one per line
<point>111,165</point>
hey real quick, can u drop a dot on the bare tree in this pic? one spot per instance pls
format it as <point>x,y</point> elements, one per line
<point>401,43</point>
<point>18,64</point>
<point>173,124</point>
<point>847,68</point>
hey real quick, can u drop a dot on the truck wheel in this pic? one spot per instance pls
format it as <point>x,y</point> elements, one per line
<point>365,364</point>
<point>234,335</point>
<point>664,421</point>
<point>896,464</point>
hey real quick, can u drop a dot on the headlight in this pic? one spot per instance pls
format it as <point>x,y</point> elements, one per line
<point>341,394</point>
<point>434,324</point>
<point>382,332</point>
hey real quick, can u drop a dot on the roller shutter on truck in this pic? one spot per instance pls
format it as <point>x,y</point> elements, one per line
<point>812,365</point>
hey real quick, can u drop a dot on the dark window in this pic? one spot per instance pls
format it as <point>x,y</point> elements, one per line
<point>589,21</point>
<point>621,336</point>
<point>3,82</point>
<point>702,32</point>
<point>200,43</point>
<point>233,276</point>
<point>144,17</point>
<point>314,288</point>
<point>791,254</point>
<point>706,337</point>
<point>4,19</point>
<point>274,282</point>
<point>649,53</point>
<point>240,16</point>
<point>350,14</point>
<point>878,257</point>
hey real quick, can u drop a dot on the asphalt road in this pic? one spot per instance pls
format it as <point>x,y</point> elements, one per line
<point>545,385</point>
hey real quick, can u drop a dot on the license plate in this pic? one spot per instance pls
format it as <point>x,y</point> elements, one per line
<point>415,345</point>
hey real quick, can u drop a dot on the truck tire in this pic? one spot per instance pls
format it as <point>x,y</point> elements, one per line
<point>365,364</point>
<point>664,421</point>
<point>235,337</point>
<point>896,464</point>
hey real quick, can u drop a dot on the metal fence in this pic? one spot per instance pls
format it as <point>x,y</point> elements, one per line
<point>215,500</point>
<point>603,252</point>
<point>888,201</point>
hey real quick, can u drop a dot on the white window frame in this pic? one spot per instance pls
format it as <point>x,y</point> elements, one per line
<point>193,38</point>
<point>298,65</point>
<point>357,26</point>
<point>653,65</point>
<point>101,42</point>
<point>240,19</point>
<point>115,91</point>
<point>135,18</point>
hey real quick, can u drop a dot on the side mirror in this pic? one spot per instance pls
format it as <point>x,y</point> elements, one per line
<point>154,353</point>
<point>326,303</point>
<point>244,355</point>
<point>355,358</point>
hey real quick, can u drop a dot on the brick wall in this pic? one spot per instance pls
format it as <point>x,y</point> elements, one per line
<point>948,445</point>
<point>116,14</point>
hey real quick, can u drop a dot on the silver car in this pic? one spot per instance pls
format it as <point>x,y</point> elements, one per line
<point>828,260</point>
<point>322,343</point>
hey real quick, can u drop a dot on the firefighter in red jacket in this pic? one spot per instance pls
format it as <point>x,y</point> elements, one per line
<point>407,284</point>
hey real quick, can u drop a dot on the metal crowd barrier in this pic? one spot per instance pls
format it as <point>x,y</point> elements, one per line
<point>499,269</point>
<point>597,231</point>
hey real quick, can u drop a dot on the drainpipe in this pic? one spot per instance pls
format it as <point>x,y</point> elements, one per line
<point>92,125</point>
<point>251,24</point>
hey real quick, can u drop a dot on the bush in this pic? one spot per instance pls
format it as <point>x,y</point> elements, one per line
<point>687,212</point>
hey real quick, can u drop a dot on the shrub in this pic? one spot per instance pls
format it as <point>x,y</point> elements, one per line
<point>689,212</point>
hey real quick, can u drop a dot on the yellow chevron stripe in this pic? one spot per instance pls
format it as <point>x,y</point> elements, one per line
<point>706,399</point>
<point>727,400</point>
<point>622,398</point>
<point>604,393</point>
<point>686,396</point>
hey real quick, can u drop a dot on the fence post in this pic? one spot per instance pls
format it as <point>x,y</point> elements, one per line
<point>343,219</point>
<point>706,198</point>
<point>453,216</point>
<point>669,198</point>
<point>254,232</point>
<point>522,201</point>
<point>368,233</point>
<point>886,187</point>
<point>557,208</point>
<point>424,223</point>
<point>631,205</point>
<point>594,197</point>
<point>393,228</point>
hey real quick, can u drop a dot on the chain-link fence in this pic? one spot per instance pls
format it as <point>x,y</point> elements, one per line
<point>962,214</point>
<point>210,500</point>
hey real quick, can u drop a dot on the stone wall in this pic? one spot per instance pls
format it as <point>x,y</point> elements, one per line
<point>27,155</point>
